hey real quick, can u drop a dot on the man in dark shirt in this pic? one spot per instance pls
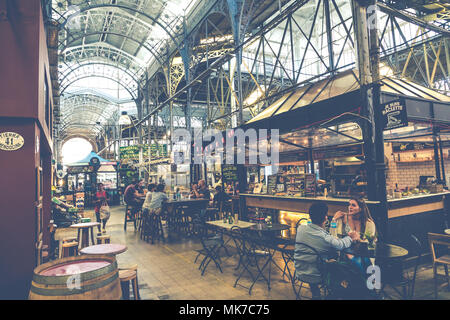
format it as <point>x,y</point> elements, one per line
<point>132,197</point>
<point>201,191</point>
<point>221,199</point>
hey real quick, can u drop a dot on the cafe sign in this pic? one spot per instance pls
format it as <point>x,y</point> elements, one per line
<point>393,115</point>
<point>10,141</point>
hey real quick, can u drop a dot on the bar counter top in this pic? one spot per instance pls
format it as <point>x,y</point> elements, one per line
<point>309,199</point>
<point>420,196</point>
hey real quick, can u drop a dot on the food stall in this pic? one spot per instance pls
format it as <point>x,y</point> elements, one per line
<point>322,148</point>
<point>83,172</point>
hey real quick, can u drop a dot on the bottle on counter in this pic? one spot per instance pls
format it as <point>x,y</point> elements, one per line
<point>325,192</point>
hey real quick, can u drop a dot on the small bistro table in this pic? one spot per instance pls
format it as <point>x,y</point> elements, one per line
<point>110,249</point>
<point>83,232</point>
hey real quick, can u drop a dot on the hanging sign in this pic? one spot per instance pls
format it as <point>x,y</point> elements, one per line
<point>393,114</point>
<point>11,141</point>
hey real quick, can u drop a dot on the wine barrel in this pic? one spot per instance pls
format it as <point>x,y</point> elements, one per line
<point>86,277</point>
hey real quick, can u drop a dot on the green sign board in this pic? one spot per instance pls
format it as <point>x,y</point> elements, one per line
<point>132,152</point>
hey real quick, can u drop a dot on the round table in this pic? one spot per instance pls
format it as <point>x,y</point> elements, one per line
<point>84,228</point>
<point>107,249</point>
<point>381,251</point>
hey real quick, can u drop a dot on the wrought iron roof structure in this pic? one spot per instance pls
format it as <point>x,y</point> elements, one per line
<point>222,62</point>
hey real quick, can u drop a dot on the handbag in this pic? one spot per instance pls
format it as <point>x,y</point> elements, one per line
<point>104,211</point>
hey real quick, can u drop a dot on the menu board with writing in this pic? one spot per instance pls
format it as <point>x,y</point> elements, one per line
<point>310,185</point>
<point>229,173</point>
<point>132,152</point>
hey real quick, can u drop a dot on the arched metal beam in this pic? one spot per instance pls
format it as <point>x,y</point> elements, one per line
<point>95,6</point>
<point>134,77</point>
<point>161,63</point>
<point>98,76</point>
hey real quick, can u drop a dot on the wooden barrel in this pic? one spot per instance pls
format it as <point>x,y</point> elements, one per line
<point>87,277</point>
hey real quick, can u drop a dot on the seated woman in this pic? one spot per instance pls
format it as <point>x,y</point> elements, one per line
<point>148,198</point>
<point>357,219</point>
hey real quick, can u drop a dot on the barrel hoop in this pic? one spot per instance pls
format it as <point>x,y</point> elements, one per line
<point>86,276</point>
<point>68,292</point>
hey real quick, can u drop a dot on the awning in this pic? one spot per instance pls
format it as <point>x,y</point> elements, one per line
<point>341,93</point>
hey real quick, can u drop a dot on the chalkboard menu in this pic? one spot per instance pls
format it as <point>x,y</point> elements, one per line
<point>310,185</point>
<point>229,173</point>
<point>272,184</point>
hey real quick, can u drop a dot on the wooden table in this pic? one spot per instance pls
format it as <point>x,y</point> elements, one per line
<point>83,230</point>
<point>108,249</point>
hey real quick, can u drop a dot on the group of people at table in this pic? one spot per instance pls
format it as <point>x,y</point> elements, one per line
<point>355,225</point>
<point>152,200</point>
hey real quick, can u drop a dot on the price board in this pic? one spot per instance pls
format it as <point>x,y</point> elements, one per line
<point>229,173</point>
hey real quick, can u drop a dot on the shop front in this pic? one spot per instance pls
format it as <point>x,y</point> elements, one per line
<point>324,152</point>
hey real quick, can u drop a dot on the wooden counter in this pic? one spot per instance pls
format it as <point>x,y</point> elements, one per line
<point>418,204</point>
<point>295,204</point>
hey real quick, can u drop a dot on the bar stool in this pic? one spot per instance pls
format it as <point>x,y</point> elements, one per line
<point>129,218</point>
<point>70,249</point>
<point>126,276</point>
<point>103,239</point>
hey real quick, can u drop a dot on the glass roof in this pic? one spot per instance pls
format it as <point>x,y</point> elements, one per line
<point>105,48</point>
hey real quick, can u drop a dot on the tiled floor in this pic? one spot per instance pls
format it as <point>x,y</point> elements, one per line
<point>167,271</point>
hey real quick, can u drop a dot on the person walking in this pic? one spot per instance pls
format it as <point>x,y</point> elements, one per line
<point>101,199</point>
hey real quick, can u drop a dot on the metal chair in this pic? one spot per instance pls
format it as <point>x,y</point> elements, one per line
<point>319,261</point>
<point>395,276</point>
<point>250,253</point>
<point>287,247</point>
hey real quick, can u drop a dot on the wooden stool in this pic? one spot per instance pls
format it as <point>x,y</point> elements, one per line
<point>69,249</point>
<point>72,239</point>
<point>127,275</point>
<point>103,239</point>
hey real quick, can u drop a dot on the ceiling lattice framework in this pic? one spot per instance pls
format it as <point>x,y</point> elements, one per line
<point>110,39</point>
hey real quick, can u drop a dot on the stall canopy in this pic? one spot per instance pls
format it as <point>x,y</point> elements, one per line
<point>339,95</point>
<point>87,159</point>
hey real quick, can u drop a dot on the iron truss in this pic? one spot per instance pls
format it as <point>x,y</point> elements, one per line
<point>225,61</point>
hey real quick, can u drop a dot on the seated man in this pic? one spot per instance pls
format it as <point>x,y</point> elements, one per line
<point>315,236</point>
<point>201,191</point>
<point>158,199</point>
<point>133,198</point>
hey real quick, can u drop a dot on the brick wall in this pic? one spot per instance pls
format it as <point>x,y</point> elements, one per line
<point>407,174</point>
